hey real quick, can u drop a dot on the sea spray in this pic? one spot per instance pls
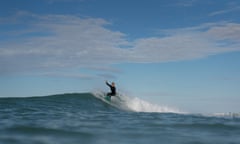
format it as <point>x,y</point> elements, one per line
<point>139,105</point>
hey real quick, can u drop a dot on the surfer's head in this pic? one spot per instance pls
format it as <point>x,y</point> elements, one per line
<point>113,84</point>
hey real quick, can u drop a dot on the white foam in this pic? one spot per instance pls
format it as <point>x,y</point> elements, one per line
<point>139,105</point>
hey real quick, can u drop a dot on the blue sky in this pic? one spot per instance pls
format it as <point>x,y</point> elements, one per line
<point>180,53</point>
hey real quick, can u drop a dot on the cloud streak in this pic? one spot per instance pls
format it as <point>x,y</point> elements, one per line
<point>63,41</point>
<point>225,11</point>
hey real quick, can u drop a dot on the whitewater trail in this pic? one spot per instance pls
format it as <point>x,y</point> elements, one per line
<point>135,104</point>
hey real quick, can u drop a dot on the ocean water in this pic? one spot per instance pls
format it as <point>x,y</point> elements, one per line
<point>87,118</point>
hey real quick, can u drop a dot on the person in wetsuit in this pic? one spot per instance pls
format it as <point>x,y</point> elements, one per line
<point>113,89</point>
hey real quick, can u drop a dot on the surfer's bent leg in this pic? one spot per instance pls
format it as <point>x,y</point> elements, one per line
<point>109,94</point>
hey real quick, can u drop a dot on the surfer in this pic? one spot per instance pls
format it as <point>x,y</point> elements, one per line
<point>113,89</point>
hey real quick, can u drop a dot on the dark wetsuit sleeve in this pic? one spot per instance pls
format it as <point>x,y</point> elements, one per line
<point>108,84</point>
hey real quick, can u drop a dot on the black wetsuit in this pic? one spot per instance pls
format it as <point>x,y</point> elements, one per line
<point>113,90</point>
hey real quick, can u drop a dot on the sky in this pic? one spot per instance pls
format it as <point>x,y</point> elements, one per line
<point>179,53</point>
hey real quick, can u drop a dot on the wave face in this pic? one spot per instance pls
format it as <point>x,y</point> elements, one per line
<point>89,118</point>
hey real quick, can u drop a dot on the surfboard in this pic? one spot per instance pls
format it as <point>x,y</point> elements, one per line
<point>108,98</point>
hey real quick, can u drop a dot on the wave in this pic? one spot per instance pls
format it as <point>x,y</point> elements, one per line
<point>94,101</point>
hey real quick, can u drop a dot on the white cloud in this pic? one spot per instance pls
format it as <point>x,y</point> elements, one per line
<point>187,3</point>
<point>227,31</point>
<point>57,1</point>
<point>225,11</point>
<point>71,42</point>
<point>189,43</point>
<point>67,75</point>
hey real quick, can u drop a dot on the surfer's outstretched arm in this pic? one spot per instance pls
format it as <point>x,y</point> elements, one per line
<point>108,84</point>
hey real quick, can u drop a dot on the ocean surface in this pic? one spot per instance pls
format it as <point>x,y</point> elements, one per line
<point>87,118</point>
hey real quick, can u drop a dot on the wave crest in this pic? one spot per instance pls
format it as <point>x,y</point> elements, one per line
<point>134,104</point>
